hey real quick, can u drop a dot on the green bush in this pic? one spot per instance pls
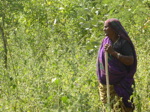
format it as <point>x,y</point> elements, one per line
<point>52,49</point>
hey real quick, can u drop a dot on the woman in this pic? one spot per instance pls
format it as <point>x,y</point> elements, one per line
<point>122,65</point>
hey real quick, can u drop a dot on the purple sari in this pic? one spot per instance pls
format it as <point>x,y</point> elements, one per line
<point>119,76</point>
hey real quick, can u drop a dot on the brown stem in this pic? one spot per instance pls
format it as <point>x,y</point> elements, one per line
<point>5,46</point>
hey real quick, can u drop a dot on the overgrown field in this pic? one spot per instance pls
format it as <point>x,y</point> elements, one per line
<point>48,52</point>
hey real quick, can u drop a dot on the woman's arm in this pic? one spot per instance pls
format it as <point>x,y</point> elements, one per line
<point>127,60</point>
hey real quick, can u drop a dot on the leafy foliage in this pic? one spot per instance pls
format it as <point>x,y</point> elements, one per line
<point>52,50</point>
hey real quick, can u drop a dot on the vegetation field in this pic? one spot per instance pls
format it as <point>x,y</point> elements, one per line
<point>48,52</point>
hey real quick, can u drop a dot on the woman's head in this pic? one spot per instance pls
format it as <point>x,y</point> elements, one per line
<point>109,31</point>
<point>116,27</point>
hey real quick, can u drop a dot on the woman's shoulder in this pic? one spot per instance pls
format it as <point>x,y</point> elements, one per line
<point>121,44</point>
<point>123,40</point>
<point>126,47</point>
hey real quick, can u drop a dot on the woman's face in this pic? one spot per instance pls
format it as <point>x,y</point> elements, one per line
<point>108,30</point>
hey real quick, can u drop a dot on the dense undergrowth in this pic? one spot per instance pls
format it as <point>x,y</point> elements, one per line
<point>48,63</point>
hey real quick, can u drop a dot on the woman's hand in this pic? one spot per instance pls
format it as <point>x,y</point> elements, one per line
<point>127,60</point>
<point>109,49</point>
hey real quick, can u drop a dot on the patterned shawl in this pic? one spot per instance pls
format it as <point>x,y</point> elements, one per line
<point>118,74</point>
